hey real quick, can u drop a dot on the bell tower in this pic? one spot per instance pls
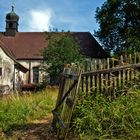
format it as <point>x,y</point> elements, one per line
<point>11,23</point>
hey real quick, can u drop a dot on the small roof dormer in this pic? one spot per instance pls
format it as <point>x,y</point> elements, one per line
<point>11,23</point>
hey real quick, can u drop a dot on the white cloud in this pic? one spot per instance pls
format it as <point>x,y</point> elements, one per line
<point>40,20</point>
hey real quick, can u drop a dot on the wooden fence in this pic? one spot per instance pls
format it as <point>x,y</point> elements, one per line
<point>109,76</point>
<point>109,81</point>
<point>106,77</point>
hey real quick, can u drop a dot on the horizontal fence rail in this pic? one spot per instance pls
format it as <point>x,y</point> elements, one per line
<point>108,81</point>
<point>132,66</point>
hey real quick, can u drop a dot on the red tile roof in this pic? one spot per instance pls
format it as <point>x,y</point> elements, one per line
<point>28,45</point>
<point>25,45</point>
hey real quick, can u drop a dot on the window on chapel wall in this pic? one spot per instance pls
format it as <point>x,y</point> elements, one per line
<point>0,71</point>
<point>35,74</point>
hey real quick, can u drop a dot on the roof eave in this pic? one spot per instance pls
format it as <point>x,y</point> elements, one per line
<point>20,67</point>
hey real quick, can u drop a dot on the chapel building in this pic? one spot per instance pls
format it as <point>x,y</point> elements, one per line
<point>20,52</point>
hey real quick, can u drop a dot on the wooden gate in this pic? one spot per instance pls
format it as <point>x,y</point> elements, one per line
<point>68,90</point>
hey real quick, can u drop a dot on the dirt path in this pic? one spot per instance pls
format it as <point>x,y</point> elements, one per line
<point>36,130</point>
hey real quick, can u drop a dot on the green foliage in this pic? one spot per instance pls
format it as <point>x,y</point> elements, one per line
<point>62,49</point>
<point>119,24</point>
<point>100,118</point>
<point>19,110</point>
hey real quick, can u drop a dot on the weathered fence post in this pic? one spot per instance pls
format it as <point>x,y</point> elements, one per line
<point>66,101</point>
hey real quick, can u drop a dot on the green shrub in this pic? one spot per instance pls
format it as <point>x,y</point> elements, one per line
<point>100,118</point>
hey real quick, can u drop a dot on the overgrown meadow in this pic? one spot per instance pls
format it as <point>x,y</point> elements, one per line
<point>100,117</point>
<point>94,117</point>
<point>16,111</point>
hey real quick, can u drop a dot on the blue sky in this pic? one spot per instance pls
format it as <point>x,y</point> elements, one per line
<point>40,15</point>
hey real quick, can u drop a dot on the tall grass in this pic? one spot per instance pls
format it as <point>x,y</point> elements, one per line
<point>19,110</point>
<point>101,118</point>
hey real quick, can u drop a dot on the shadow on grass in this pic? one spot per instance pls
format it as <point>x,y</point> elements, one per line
<point>32,131</point>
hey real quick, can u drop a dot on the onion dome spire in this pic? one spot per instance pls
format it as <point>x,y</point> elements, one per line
<point>12,23</point>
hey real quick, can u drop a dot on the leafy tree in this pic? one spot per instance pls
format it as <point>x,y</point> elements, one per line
<point>62,49</point>
<point>119,25</point>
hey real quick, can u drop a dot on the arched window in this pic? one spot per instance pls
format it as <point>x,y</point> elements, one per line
<point>10,25</point>
<point>35,74</point>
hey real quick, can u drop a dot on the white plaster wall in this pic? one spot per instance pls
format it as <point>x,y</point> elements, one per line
<point>24,76</point>
<point>7,65</point>
<point>17,75</point>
